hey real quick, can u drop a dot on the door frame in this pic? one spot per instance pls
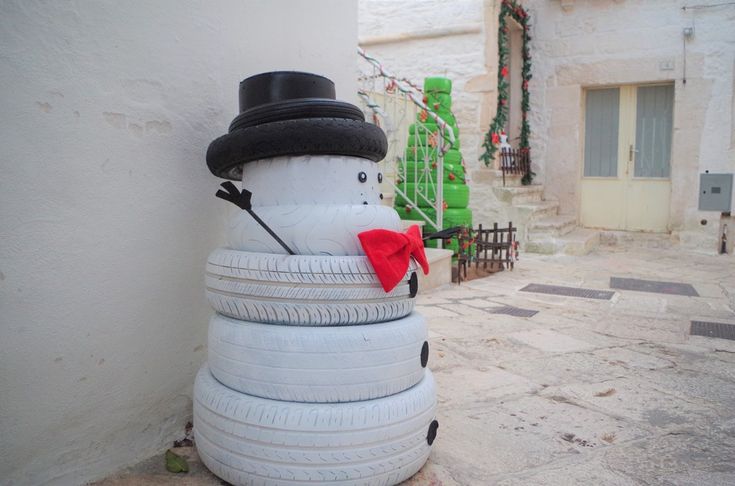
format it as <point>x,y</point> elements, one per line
<point>629,165</point>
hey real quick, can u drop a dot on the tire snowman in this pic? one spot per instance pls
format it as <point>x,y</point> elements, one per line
<point>316,369</point>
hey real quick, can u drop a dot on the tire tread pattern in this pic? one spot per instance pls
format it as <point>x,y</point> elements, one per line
<point>247,440</point>
<point>302,290</point>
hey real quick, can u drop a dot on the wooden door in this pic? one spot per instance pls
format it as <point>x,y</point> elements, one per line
<point>626,166</point>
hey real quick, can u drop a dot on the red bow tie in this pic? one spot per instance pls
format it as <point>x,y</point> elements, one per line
<point>389,253</point>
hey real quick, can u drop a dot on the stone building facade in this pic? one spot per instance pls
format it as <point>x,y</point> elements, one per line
<point>628,49</point>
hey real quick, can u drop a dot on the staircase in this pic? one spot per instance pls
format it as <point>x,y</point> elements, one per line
<point>541,229</point>
<point>399,101</point>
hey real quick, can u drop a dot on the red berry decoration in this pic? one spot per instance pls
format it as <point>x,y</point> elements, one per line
<point>451,176</point>
<point>445,205</point>
<point>433,166</point>
<point>408,208</point>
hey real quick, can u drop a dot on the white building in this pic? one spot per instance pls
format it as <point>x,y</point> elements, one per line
<point>631,101</point>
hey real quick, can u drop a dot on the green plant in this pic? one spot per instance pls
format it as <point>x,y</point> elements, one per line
<point>510,8</point>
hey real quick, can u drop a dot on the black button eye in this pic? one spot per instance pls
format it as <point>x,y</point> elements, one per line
<point>362,177</point>
<point>380,177</point>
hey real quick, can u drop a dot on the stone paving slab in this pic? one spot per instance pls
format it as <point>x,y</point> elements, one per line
<point>638,400</point>
<point>550,341</point>
<point>528,401</point>
<point>593,472</point>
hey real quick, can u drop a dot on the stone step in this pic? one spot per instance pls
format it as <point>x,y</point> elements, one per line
<point>579,242</point>
<point>558,225</point>
<point>539,210</point>
<point>494,178</point>
<point>511,180</point>
<point>515,195</point>
<point>440,263</point>
<point>630,239</point>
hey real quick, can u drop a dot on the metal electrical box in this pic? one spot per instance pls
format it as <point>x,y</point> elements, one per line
<point>715,192</point>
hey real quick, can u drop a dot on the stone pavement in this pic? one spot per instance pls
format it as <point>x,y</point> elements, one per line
<point>603,392</point>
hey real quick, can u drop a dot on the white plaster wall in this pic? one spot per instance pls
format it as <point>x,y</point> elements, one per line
<point>578,43</point>
<point>107,210</point>
<point>458,57</point>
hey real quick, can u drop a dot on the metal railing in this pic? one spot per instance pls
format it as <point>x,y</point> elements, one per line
<point>394,103</point>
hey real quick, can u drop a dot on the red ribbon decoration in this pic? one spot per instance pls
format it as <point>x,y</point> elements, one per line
<point>390,251</point>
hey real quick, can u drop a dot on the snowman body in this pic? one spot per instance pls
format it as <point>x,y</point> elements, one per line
<point>316,204</point>
<point>315,373</point>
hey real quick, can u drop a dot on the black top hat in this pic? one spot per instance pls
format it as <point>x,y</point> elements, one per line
<point>292,113</point>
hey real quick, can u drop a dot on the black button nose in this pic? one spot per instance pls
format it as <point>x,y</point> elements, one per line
<point>362,177</point>
<point>380,177</point>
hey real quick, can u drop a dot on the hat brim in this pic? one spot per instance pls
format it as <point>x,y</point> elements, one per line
<point>307,136</point>
<point>296,109</point>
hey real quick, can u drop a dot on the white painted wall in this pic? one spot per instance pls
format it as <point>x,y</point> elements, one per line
<point>107,210</point>
<point>579,43</point>
<point>458,57</point>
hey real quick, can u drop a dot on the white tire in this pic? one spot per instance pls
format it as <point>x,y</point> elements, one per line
<point>310,229</point>
<point>304,290</point>
<point>247,440</point>
<point>322,364</point>
<point>312,179</point>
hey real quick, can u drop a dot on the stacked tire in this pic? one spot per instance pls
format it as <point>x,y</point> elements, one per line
<point>315,375</point>
<point>421,159</point>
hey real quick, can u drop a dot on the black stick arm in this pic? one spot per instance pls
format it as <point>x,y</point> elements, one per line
<point>242,201</point>
<point>270,231</point>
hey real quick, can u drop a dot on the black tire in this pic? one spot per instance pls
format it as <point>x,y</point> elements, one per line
<point>296,109</point>
<point>306,136</point>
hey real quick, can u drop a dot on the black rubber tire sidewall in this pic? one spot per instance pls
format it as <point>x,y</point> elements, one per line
<point>294,110</point>
<point>307,136</point>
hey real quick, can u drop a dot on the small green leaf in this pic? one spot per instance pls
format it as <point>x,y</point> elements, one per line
<point>175,463</point>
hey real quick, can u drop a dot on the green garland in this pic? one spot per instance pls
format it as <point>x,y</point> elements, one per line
<point>492,137</point>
